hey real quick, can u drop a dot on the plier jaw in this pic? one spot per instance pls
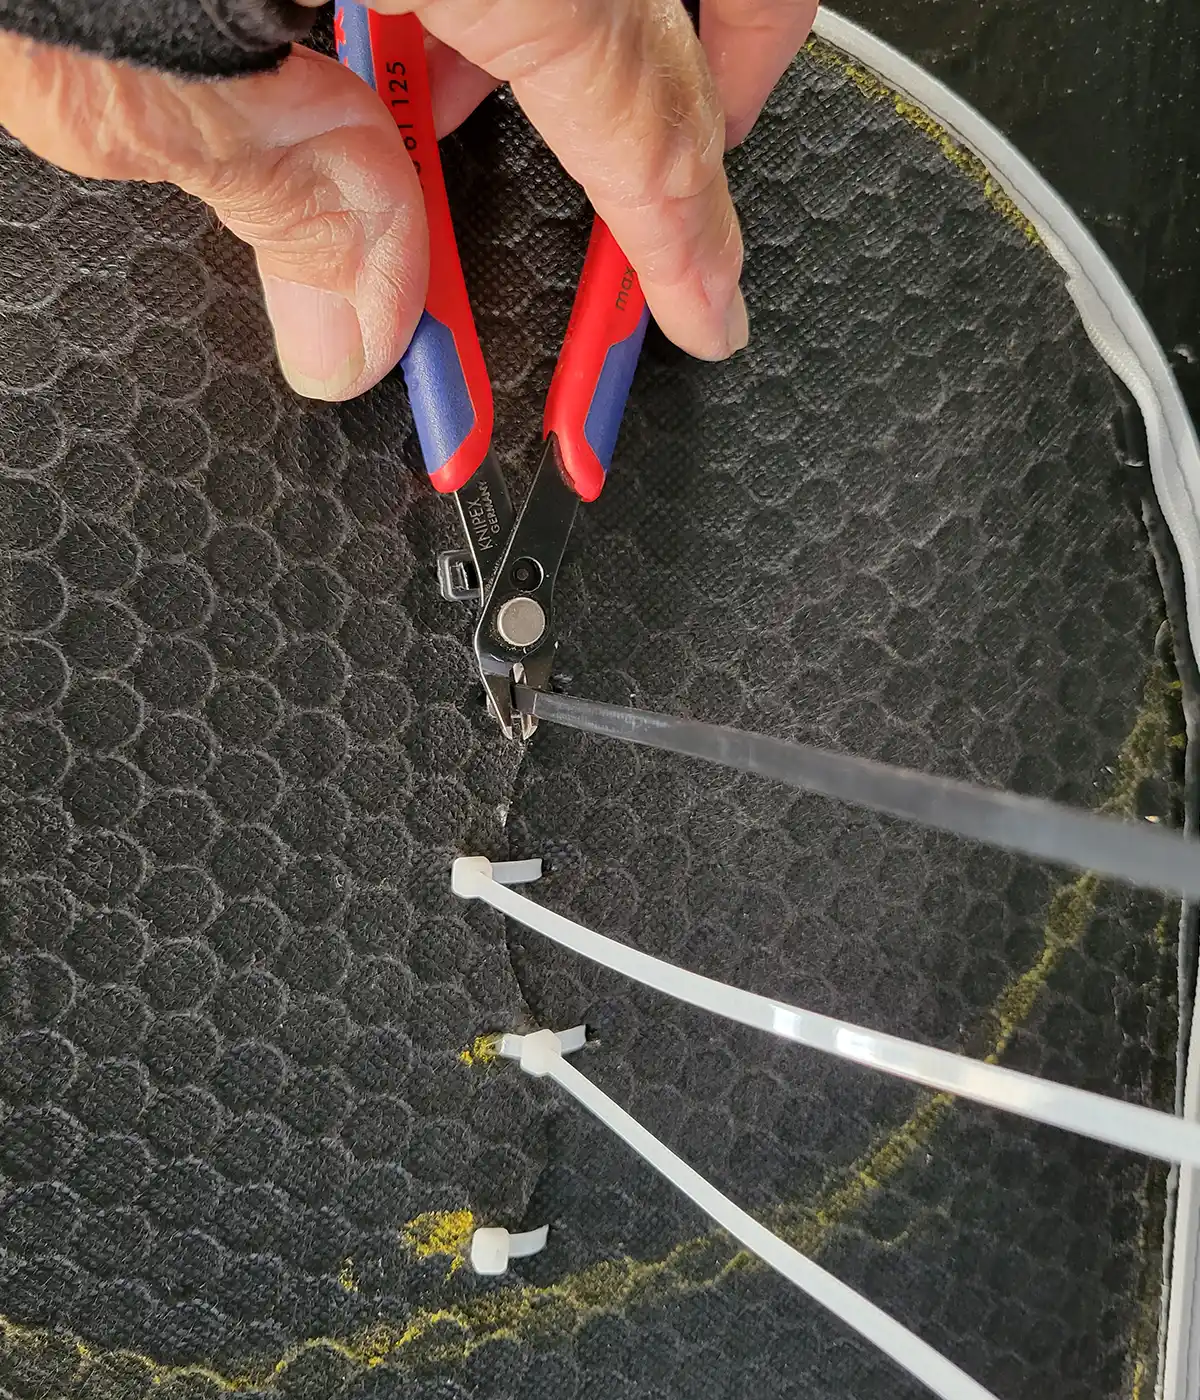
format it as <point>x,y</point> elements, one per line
<point>515,637</point>
<point>513,724</point>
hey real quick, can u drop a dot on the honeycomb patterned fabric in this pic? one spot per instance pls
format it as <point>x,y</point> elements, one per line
<point>204,38</point>
<point>248,1122</point>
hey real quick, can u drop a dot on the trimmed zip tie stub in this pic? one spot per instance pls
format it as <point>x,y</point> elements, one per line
<point>492,1247</point>
<point>516,872</point>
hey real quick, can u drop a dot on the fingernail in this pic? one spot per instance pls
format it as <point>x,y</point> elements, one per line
<point>737,323</point>
<point>317,336</point>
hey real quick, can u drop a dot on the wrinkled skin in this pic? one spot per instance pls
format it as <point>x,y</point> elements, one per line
<point>306,164</point>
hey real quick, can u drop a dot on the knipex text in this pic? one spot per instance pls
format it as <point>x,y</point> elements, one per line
<point>482,520</point>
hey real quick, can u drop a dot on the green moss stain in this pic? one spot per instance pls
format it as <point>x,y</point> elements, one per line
<point>954,151</point>
<point>483,1050</point>
<point>445,1233</point>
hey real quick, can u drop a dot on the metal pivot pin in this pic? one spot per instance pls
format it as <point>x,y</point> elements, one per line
<point>521,622</point>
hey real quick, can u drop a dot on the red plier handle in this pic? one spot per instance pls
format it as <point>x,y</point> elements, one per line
<point>595,369</point>
<point>444,367</point>
<point>600,352</point>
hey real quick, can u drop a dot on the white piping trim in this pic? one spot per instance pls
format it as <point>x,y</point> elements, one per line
<point>1124,339</point>
<point>1113,320</point>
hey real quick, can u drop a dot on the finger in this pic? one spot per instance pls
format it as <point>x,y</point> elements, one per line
<point>621,92</point>
<point>305,164</point>
<point>750,44</point>
<point>458,87</point>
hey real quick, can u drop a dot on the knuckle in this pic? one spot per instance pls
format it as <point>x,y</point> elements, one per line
<point>706,256</point>
<point>294,226</point>
<point>690,121</point>
<point>694,160</point>
<point>98,119</point>
<point>297,214</point>
<point>676,145</point>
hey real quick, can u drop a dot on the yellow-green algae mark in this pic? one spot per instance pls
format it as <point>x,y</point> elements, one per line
<point>544,1313</point>
<point>1139,1379</point>
<point>483,1050</point>
<point>440,1232</point>
<point>871,86</point>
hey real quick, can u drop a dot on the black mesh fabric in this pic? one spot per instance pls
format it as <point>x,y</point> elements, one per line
<point>245,1113</point>
<point>198,38</point>
<point>1101,97</point>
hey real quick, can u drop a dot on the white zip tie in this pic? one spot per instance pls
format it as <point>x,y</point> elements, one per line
<point>519,1047</point>
<point>541,1055</point>
<point>493,1247</point>
<point>1127,1125</point>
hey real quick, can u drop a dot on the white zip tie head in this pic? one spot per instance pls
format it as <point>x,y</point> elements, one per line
<point>541,1051</point>
<point>470,875</point>
<point>492,1247</point>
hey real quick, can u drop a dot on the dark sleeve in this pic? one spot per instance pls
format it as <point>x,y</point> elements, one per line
<point>203,38</point>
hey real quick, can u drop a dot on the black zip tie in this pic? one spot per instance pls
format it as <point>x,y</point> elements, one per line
<point>1135,852</point>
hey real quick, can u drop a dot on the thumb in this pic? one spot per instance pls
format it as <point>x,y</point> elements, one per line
<point>304,163</point>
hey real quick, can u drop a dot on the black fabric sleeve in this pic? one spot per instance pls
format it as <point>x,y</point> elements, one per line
<point>201,38</point>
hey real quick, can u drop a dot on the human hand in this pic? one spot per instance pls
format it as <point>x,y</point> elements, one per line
<point>306,165</point>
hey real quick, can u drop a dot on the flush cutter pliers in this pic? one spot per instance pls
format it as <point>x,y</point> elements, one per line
<point>511,561</point>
